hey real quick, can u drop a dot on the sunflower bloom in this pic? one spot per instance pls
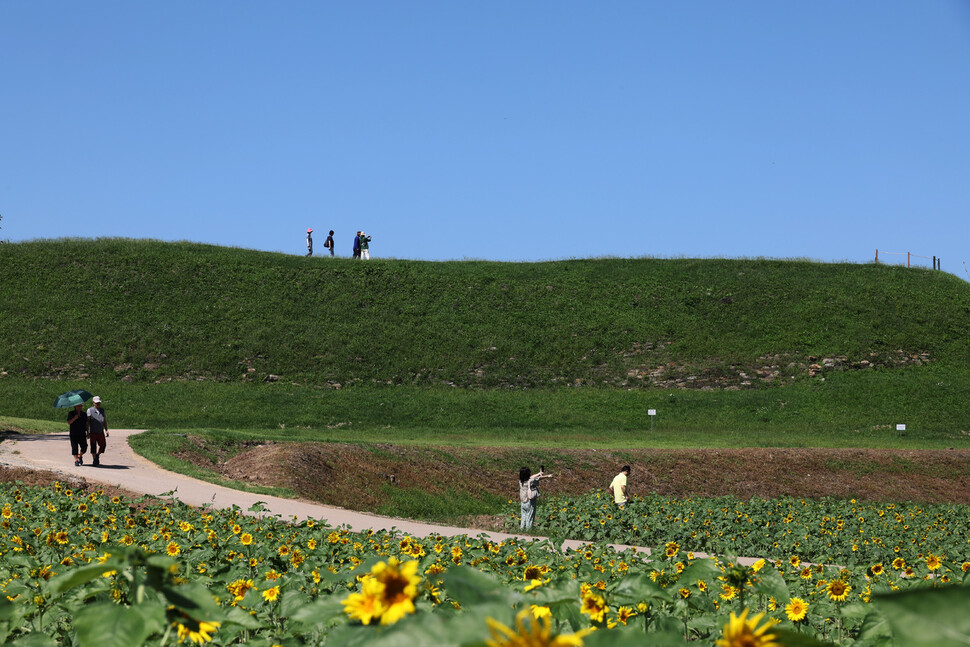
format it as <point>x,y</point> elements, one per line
<point>271,594</point>
<point>540,611</point>
<point>172,549</point>
<point>367,605</point>
<point>623,614</point>
<point>594,605</point>
<point>933,562</point>
<point>741,631</point>
<point>532,632</point>
<point>796,609</point>
<point>197,632</point>
<point>239,588</point>
<point>387,592</point>
<point>838,590</point>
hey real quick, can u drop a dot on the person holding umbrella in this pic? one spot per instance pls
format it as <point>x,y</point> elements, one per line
<point>77,421</point>
<point>97,430</point>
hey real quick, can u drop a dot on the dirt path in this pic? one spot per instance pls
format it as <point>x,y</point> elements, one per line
<point>121,467</point>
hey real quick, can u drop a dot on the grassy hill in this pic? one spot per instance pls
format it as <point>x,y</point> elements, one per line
<point>187,335</point>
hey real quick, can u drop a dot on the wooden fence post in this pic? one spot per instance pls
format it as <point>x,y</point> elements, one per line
<point>877,257</point>
<point>907,259</point>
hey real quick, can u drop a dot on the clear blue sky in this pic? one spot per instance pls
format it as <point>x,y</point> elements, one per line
<point>493,130</point>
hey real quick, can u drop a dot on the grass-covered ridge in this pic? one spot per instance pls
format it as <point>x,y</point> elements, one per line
<point>261,339</point>
<point>148,309</point>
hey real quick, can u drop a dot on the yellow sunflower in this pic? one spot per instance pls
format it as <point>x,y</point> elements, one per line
<point>367,605</point>
<point>933,562</point>
<point>625,613</point>
<point>594,605</point>
<point>740,631</point>
<point>530,631</point>
<point>838,590</point>
<point>197,632</point>
<point>271,594</point>
<point>399,586</point>
<point>796,609</point>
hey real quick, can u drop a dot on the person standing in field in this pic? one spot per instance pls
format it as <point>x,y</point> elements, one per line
<point>309,242</point>
<point>357,245</point>
<point>364,246</point>
<point>529,495</point>
<point>78,422</point>
<point>97,430</point>
<point>328,243</point>
<point>618,487</point>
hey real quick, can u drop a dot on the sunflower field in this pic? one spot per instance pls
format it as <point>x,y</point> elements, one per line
<point>80,568</point>
<point>830,531</point>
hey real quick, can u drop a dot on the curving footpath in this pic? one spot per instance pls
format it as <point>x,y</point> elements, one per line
<point>122,467</point>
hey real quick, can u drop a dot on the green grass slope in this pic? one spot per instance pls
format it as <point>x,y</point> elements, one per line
<point>196,335</point>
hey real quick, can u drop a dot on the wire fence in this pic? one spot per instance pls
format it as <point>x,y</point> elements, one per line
<point>909,258</point>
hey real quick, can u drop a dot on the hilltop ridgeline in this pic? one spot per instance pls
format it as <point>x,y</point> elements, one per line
<point>147,311</point>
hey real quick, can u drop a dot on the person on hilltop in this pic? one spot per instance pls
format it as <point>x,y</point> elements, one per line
<point>364,246</point>
<point>357,245</point>
<point>328,243</point>
<point>309,242</point>
<point>529,495</point>
<point>618,487</point>
<point>78,425</point>
<point>97,430</point>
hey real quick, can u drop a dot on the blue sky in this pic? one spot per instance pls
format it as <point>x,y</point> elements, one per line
<point>501,130</point>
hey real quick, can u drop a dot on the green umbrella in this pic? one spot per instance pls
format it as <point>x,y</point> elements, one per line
<point>71,398</point>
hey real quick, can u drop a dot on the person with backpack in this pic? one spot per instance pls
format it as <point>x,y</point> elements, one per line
<point>529,495</point>
<point>309,242</point>
<point>328,244</point>
<point>364,246</point>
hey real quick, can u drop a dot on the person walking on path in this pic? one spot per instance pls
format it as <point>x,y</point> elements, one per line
<point>528,495</point>
<point>357,245</point>
<point>618,487</point>
<point>78,421</point>
<point>364,246</point>
<point>309,242</point>
<point>97,430</point>
<point>328,243</point>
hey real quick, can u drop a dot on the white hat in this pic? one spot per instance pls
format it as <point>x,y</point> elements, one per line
<point>97,398</point>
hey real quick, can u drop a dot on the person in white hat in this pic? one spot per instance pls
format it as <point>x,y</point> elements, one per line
<point>309,242</point>
<point>97,430</point>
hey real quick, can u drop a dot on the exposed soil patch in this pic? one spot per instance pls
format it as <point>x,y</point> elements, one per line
<point>41,478</point>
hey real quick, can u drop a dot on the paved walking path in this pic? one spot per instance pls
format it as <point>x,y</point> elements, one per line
<point>122,467</point>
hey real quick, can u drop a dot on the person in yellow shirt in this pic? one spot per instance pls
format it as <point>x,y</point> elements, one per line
<point>618,486</point>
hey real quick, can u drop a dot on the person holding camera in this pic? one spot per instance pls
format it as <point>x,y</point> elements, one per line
<point>529,494</point>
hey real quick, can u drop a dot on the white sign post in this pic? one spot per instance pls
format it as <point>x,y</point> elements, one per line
<point>900,427</point>
<point>651,413</point>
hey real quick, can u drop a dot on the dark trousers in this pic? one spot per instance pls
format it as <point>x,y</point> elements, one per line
<point>97,443</point>
<point>79,444</point>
